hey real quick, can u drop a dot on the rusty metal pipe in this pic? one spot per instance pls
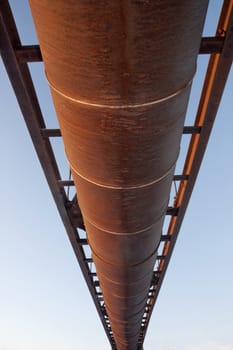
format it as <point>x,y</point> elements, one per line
<point>120,74</point>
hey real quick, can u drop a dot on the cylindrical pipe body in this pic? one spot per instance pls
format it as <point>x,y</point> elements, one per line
<point>120,74</point>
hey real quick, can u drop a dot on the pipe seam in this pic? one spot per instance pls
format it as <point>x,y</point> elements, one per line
<point>126,284</point>
<point>123,106</point>
<point>128,265</point>
<point>86,218</point>
<point>124,187</point>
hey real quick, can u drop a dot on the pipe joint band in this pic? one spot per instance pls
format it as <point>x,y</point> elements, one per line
<point>123,106</point>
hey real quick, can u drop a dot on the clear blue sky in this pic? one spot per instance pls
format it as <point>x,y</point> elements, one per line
<point>44,303</point>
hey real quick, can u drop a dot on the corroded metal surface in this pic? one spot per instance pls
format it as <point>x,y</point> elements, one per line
<point>120,81</point>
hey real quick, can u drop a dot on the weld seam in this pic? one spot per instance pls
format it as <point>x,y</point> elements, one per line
<point>123,106</point>
<point>122,233</point>
<point>130,266</point>
<point>123,187</point>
